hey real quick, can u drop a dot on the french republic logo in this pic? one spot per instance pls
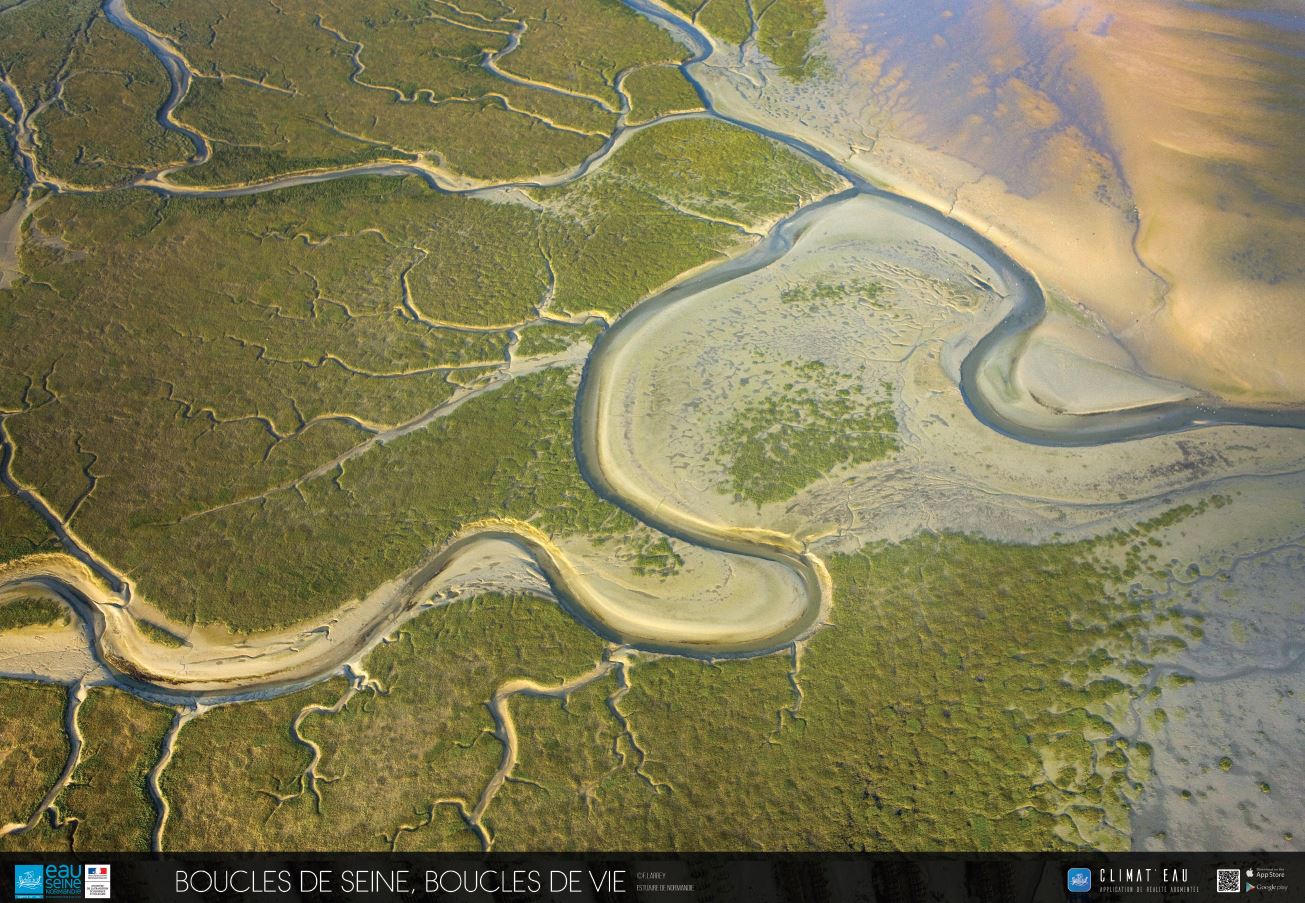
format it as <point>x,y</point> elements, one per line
<point>97,882</point>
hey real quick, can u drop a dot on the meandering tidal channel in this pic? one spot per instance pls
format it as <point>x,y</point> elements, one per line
<point>795,592</point>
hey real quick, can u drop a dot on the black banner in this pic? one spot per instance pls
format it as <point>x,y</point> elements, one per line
<point>658,877</point>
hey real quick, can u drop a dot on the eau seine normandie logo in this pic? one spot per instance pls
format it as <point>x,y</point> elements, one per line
<point>61,882</point>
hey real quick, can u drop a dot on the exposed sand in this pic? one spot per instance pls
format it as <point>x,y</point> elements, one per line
<point>693,364</point>
<point>1067,367</point>
<point>736,603</point>
<point>11,229</point>
<point>1052,127</point>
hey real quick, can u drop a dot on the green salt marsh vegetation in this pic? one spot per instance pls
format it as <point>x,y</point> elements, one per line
<point>968,696</point>
<point>547,338</point>
<point>11,179</point>
<point>22,532</point>
<point>158,635</point>
<point>918,724</point>
<point>665,210</point>
<point>250,750</point>
<point>106,805</point>
<point>726,20</point>
<point>812,295</point>
<point>784,30</point>
<point>504,91</point>
<point>571,47</point>
<point>414,749</point>
<point>33,748</point>
<point>198,387</point>
<point>251,342</point>
<point>93,93</point>
<point>506,453</point>
<point>32,611</point>
<point>658,91</point>
<point>812,421</point>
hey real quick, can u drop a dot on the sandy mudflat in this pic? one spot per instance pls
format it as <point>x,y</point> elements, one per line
<point>1057,129</point>
<point>700,360</point>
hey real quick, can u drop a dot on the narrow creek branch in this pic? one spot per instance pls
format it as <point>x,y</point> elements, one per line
<point>505,730</point>
<point>76,696</point>
<point>166,749</point>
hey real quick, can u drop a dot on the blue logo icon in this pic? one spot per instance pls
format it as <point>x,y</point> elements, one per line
<point>1079,881</point>
<point>29,882</point>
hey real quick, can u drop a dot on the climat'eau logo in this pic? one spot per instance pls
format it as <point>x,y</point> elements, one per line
<point>1079,881</point>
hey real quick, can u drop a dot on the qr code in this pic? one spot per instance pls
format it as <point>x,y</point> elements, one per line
<point>1228,881</point>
